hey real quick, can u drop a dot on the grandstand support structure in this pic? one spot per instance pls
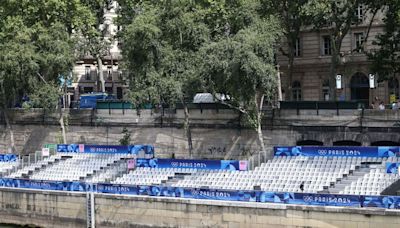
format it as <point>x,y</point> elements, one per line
<point>260,157</point>
<point>90,209</point>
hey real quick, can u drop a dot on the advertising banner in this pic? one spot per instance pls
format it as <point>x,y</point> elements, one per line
<point>45,152</point>
<point>195,164</point>
<point>388,202</point>
<point>337,151</point>
<point>392,167</point>
<point>45,185</point>
<point>131,164</point>
<point>8,157</point>
<point>148,150</point>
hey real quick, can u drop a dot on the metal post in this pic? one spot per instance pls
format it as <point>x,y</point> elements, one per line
<point>337,107</point>
<point>90,210</point>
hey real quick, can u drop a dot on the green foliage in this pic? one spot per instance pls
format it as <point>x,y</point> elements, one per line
<point>94,38</point>
<point>386,60</point>
<point>46,96</point>
<point>36,43</point>
<point>174,49</point>
<point>243,67</point>
<point>126,138</point>
<point>159,49</point>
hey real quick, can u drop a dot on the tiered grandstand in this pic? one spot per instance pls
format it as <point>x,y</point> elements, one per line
<point>337,175</point>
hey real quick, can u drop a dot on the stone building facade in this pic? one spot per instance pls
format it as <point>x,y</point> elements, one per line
<point>310,79</point>
<point>86,79</point>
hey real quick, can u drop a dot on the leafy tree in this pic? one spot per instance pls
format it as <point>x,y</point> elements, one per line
<point>36,46</point>
<point>17,62</point>
<point>173,49</point>
<point>386,60</point>
<point>293,19</point>
<point>96,38</point>
<point>159,51</point>
<point>46,96</point>
<point>243,68</point>
<point>126,139</point>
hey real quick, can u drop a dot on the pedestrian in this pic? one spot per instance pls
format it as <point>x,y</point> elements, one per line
<point>381,106</point>
<point>302,186</point>
<point>377,103</point>
<point>394,105</point>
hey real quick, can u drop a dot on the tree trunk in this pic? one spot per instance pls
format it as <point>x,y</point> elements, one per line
<point>259,104</point>
<point>337,44</point>
<point>279,84</point>
<point>10,130</point>
<point>101,74</point>
<point>290,76</point>
<point>332,78</point>
<point>7,120</point>
<point>62,126</point>
<point>187,128</point>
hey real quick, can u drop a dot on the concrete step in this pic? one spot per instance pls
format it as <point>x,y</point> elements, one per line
<point>352,177</point>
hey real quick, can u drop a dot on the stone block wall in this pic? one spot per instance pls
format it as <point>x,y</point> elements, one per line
<point>66,209</point>
<point>41,208</point>
<point>163,212</point>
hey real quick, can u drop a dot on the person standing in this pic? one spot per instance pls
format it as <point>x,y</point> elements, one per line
<point>381,106</point>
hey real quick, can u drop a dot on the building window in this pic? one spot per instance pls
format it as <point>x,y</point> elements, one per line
<point>297,48</point>
<point>325,90</point>
<point>119,93</point>
<point>358,42</point>
<point>109,73</point>
<point>87,89</point>
<point>360,13</point>
<point>393,85</point>
<point>109,90</point>
<point>120,76</point>
<point>87,73</point>
<point>296,91</point>
<point>326,45</point>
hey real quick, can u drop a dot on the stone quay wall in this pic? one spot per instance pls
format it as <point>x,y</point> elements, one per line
<point>66,209</point>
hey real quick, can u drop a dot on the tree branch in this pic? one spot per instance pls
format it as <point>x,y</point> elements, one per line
<point>241,110</point>
<point>370,25</point>
<point>41,77</point>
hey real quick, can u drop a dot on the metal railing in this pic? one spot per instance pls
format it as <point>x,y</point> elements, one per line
<point>322,105</point>
<point>260,157</point>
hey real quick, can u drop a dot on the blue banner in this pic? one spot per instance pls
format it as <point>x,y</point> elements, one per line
<point>45,185</point>
<point>8,157</point>
<point>392,202</point>
<point>389,202</point>
<point>337,151</point>
<point>323,199</point>
<point>195,164</point>
<point>131,149</point>
<point>392,167</point>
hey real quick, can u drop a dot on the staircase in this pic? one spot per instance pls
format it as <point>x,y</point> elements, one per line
<point>346,181</point>
<point>115,165</point>
<point>358,173</point>
<point>29,173</point>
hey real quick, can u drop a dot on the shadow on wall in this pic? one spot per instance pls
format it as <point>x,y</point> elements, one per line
<point>346,143</point>
<point>385,143</point>
<point>309,143</point>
